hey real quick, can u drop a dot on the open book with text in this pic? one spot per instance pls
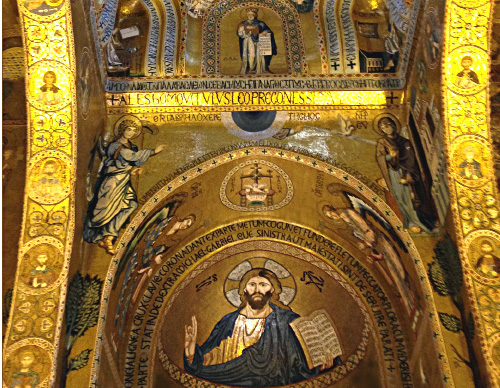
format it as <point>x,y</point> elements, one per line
<point>318,337</point>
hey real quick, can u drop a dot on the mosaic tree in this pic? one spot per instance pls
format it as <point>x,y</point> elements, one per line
<point>82,313</point>
<point>446,277</point>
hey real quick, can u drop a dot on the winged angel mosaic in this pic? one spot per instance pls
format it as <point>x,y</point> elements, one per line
<point>114,199</point>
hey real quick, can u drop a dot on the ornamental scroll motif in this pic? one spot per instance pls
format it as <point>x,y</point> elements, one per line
<point>472,180</point>
<point>34,327</point>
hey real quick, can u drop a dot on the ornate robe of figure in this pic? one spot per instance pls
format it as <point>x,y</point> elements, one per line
<point>42,277</point>
<point>49,95</point>
<point>411,198</point>
<point>25,379</point>
<point>470,170</point>
<point>467,79</point>
<point>251,58</point>
<point>113,59</point>
<point>48,185</point>
<point>153,228</point>
<point>114,197</point>
<point>267,354</point>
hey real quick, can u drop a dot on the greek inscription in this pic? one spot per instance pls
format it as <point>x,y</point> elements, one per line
<point>308,277</point>
<point>205,283</point>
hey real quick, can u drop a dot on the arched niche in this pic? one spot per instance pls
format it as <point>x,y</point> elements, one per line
<point>138,41</point>
<point>131,48</point>
<point>221,11</point>
<point>271,208</point>
<point>367,36</point>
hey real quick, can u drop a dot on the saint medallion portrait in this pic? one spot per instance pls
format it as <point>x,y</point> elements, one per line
<point>471,165</point>
<point>50,86</point>
<point>468,72</point>
<point>256,186</point>
<point>49,181</point>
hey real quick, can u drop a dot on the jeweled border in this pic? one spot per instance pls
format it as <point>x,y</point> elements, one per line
<point>460,38</point>
<point>44,59</point>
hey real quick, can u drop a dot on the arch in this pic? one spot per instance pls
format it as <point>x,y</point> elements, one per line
<point>333,37</point>
<point>170,39</point>
<point>107,22</point>
<point>171,193</point>
<point>292,31</point>
<point>151,67</point>
<point>349,38</point>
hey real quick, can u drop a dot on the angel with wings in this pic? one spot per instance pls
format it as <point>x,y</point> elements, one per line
<point>114,198</point>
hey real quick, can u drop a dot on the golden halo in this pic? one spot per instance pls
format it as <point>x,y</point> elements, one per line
<point>232,283</point>
<point>489,242</point>
<point>53,3</point>
<point>380,117</point>
<point>134,119</point>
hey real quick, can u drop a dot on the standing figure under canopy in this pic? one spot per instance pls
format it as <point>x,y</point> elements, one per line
<point>253,57</point>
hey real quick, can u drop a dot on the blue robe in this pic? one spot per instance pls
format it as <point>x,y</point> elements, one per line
<point>276,359</point>
<point>114,197</point>
<point>255,38</point>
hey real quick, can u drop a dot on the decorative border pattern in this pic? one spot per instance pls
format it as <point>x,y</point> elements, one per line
<point>322,42</point>
<point>170,40</point>
<point>475,207</point>
<point>293,155</point>
<point>292,33</point>
<point>331,25</point>
<point>349,38</point>
<point>36,317</point>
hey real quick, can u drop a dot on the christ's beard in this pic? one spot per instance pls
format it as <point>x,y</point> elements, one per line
<point>257,304</point>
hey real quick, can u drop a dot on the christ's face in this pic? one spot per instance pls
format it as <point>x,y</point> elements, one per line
<point>258,285</point>
<point>257,292</point>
